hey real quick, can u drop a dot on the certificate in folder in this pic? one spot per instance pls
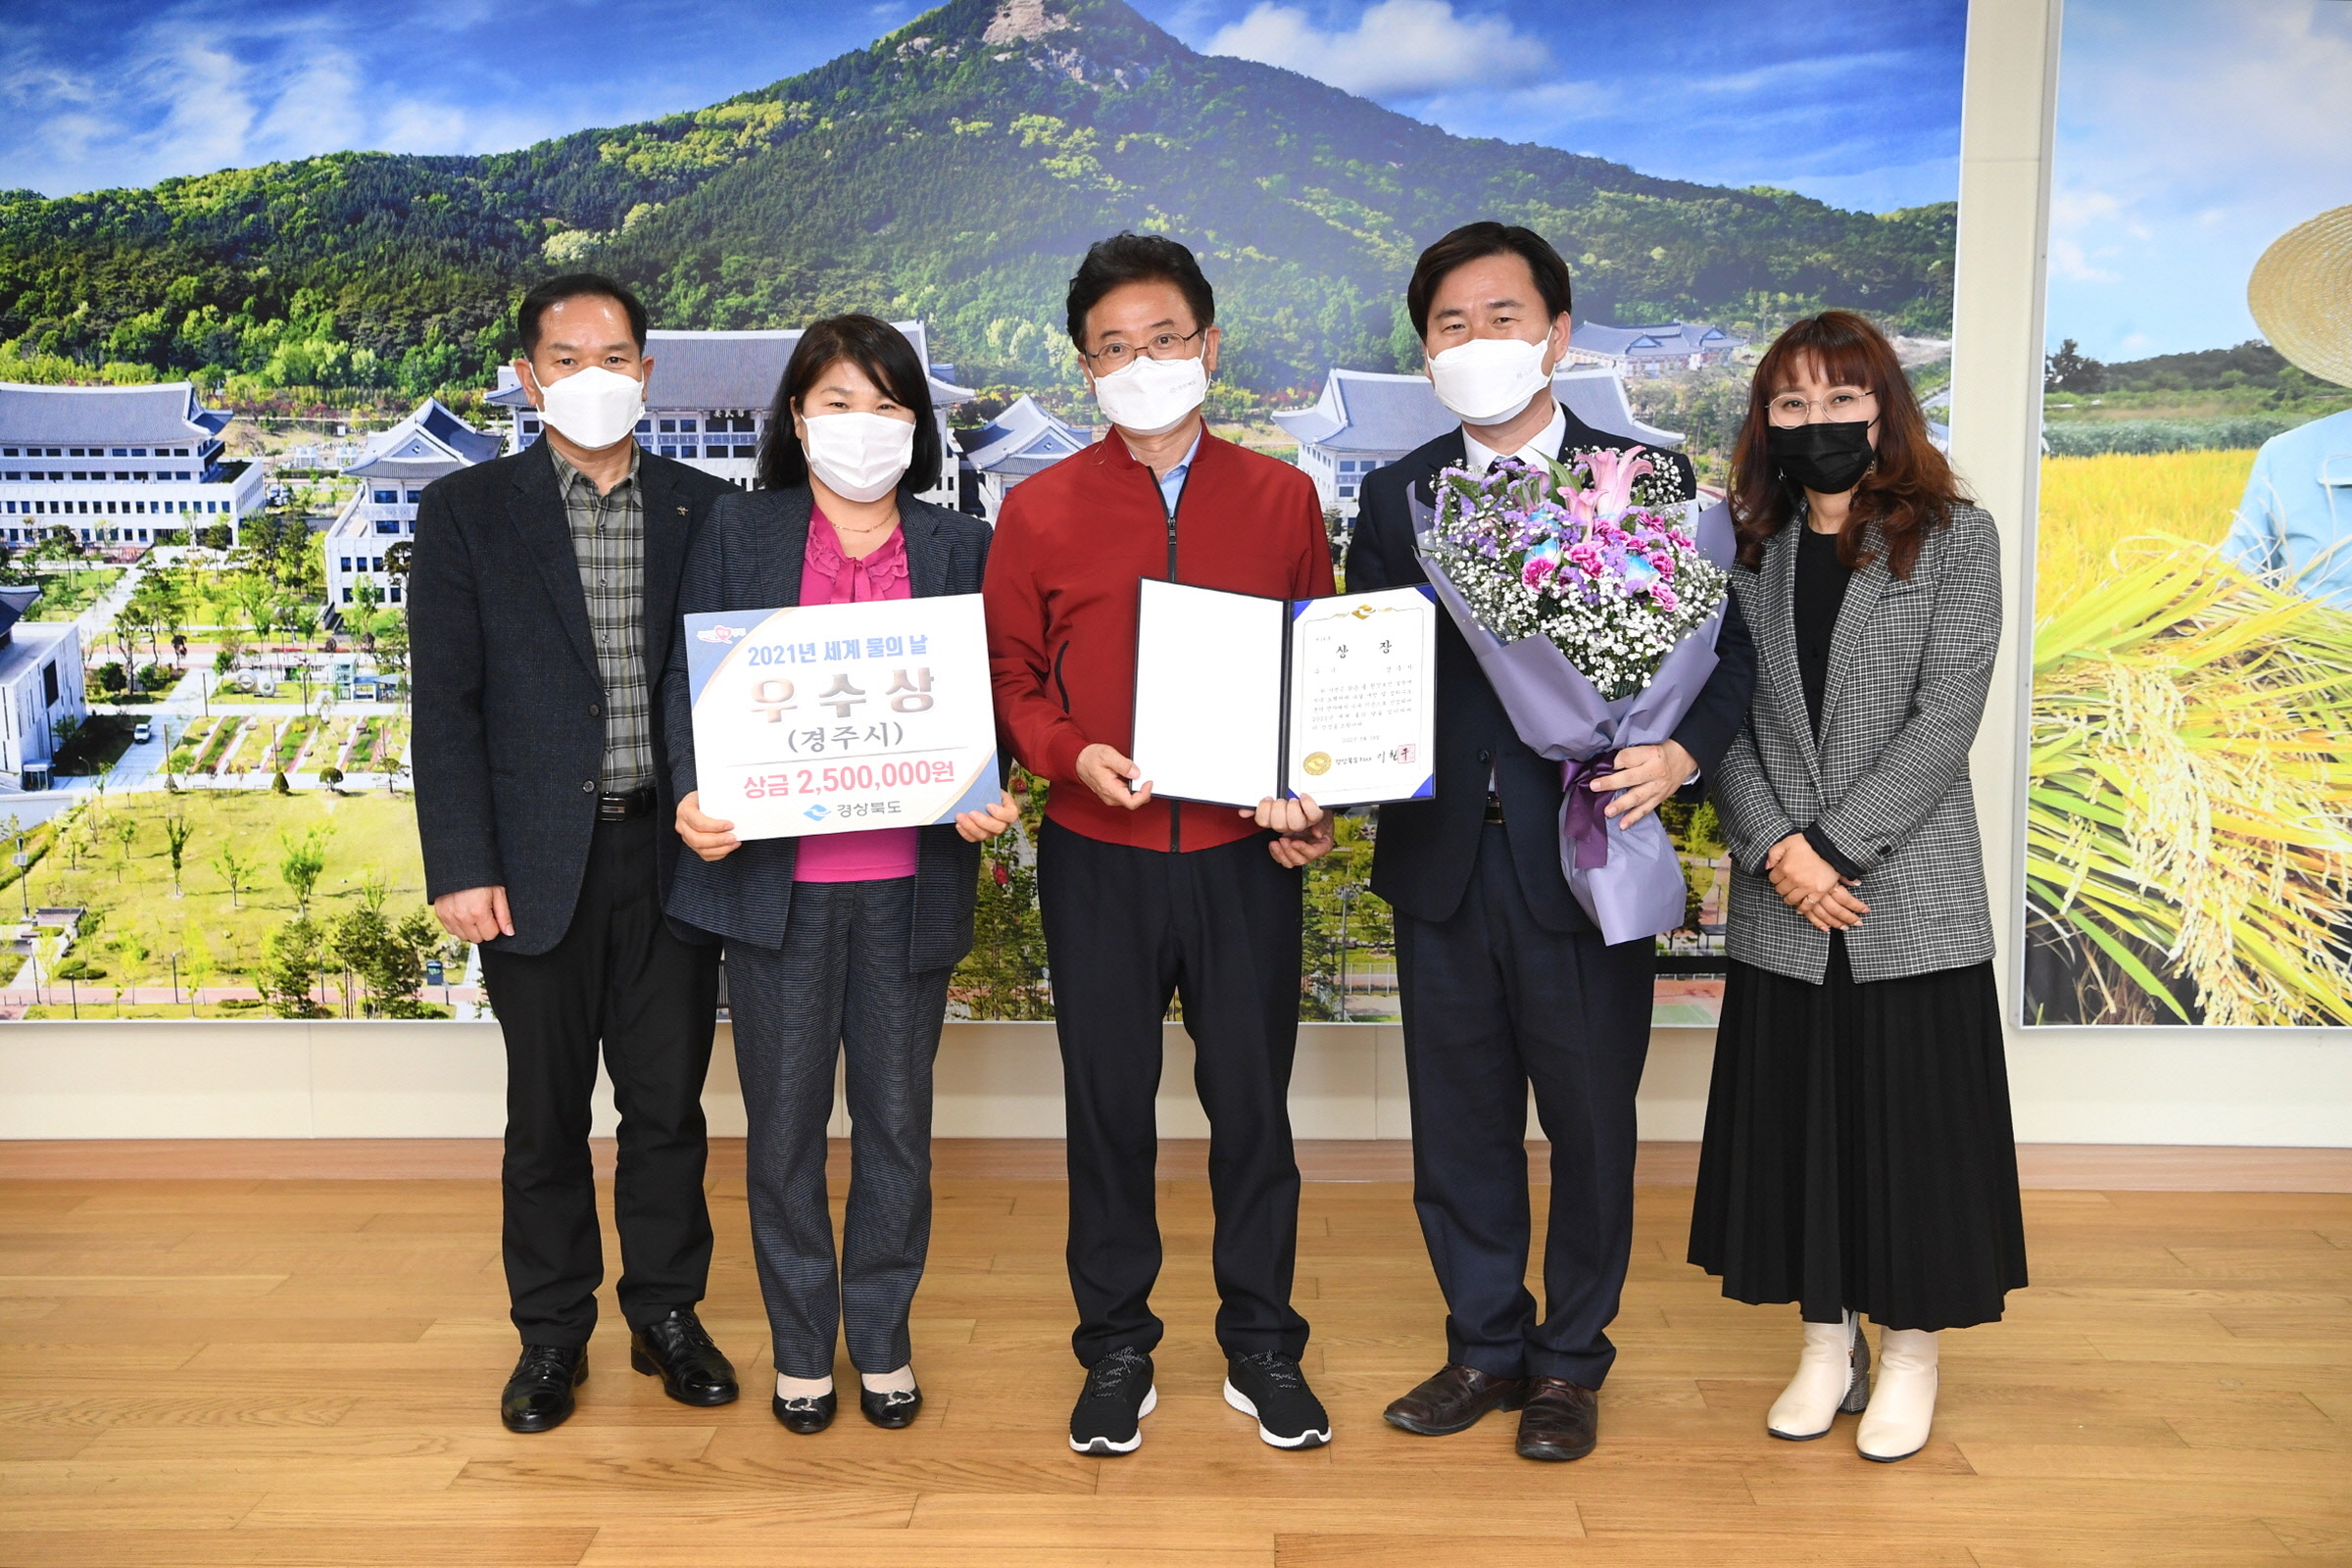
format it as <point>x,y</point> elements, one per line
<point>1238,698</point>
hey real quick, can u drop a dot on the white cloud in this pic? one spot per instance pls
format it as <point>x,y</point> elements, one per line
<point>1397,48</point>
<point>186,92</point>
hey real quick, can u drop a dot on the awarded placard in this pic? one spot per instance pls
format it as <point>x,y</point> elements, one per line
<point>832,718</point>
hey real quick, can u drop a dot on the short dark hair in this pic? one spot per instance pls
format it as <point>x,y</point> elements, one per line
<point>573,286</point>
<point>889,360</point>
<point>1127,258</point>
<point>1473,242</point>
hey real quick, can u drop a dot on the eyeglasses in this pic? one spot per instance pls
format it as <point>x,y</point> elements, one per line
<point>1791,409</point>
<point>1112,358</point>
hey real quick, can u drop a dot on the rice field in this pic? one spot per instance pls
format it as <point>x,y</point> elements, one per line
<point>2189,808</point>
<point>2092,507</point>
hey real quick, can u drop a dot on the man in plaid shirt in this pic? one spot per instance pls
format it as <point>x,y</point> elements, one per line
<point>542,604</point>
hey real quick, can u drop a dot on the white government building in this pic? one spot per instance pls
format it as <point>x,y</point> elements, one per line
<point>118,465</point>
<point>707,398</point>
<point>40,687</point>
<point>392,474</point>
<point>1366,420</point>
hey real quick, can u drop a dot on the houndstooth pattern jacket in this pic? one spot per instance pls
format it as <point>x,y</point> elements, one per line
<point>1888,782</point>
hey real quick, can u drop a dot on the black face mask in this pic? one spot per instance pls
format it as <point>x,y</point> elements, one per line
<point>1826,459</point>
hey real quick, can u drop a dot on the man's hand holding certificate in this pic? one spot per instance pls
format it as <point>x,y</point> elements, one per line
<point>832,718</point>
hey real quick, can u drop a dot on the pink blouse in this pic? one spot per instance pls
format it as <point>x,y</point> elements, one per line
<point>830,577</point>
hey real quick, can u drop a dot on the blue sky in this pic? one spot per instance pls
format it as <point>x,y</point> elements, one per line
<point>1856,102</point>
<point>2191,133</point>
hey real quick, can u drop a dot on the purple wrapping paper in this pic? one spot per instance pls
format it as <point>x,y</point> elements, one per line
<point>1639,891</point>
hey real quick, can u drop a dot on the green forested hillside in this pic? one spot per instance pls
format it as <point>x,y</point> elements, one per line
<point>952,171</point>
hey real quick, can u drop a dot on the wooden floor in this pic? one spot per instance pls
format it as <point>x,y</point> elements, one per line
<point>297,1369</point>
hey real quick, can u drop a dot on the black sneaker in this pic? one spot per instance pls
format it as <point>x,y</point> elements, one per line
<point>1269,1386</point>
<point>1118,1394</point>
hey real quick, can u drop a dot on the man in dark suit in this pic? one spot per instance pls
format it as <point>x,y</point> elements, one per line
<point>1506,983</point>
<point>541,605</point>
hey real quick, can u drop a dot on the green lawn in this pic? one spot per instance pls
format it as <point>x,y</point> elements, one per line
<point>66,594</point>
<point>136,925</point>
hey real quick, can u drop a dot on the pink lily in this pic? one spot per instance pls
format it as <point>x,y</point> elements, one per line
<point>1613,476</point>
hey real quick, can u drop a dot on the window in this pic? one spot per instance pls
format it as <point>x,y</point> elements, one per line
<point>379,564</point>
<point>387,526</point>
<point>416,496</point>
<point>346,564</point>
<point>78,452</point>
<point>644,425</point>
<point>685,451</point>
<point>9,452</point>
<point>388,498</point>
<point>670,426</point>
<point>669,451</point>
<point>685,424</point>
<point>119,452</point>
<point>347,596</point>
<point>49,684</point>
<point>138,451</point>
<point>393,589</point>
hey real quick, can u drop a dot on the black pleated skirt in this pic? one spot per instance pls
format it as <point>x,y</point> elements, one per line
<point>1859,1154</point>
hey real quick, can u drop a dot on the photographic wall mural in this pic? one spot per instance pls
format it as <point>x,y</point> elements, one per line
<point>203,680</point>
<point>2188,831</point>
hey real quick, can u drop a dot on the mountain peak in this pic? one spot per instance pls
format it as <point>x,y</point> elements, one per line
<point>1025,22</point>
<point>1099,43</point>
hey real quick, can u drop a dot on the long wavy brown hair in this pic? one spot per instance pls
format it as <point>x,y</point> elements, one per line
<point>1909,489</point>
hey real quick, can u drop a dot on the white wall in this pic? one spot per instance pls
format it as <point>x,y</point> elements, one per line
<point>2084,1085</point>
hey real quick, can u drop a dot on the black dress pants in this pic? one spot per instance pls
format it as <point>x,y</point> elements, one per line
<point>839,990</point>
<point>622,979</point>
<point>1493,1003</point>
<point>1126,929</point>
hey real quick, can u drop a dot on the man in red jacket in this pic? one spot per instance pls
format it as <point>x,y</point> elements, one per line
<point>1145,899</point>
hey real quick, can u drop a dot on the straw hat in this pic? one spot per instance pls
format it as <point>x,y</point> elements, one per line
<point>2301,295</point>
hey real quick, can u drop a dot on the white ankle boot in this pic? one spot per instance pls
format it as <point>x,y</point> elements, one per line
<point>1903,1406</point>
<point>1832,1375</point>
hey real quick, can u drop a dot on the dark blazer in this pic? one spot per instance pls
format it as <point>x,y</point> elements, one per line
<point>748,555</point>
<point>509,732</point>
<point>1425,848</point>
<point>1886,782</point>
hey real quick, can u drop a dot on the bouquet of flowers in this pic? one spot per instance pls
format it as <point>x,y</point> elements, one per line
<point>1593,610</point>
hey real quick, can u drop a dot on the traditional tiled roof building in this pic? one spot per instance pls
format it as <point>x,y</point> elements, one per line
<point>118,465</point>
<point>1367,420</point>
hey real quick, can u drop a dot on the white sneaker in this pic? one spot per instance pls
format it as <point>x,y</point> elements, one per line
<point>1833,1375</point>
<point>1903,1407</point>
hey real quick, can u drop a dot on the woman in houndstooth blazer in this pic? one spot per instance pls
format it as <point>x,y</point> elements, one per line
<point>1858,1154</point>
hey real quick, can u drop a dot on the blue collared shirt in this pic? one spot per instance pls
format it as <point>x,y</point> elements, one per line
<point>2295,527</point>
<point>1171,483</point>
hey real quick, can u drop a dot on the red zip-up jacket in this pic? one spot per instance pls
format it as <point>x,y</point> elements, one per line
<point>1070,547</point>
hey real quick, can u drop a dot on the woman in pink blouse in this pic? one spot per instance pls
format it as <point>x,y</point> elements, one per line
<point>839,946</point>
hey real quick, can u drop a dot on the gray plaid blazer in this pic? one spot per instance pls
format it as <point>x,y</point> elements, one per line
<point>747,554</point>
<point>1888,782</point>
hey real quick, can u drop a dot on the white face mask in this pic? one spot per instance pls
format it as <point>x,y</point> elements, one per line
<point>1152,396</point>
<point>860,457</point>
<point>595,406</point>
<point>1489,380</point>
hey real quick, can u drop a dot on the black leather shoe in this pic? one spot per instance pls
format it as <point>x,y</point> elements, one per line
<point>1561,1421</point>
<point>1456,1400</point>
<point>677,1350</point>
<point>538,1394</point>
<point>890,1411</point>
<point>804,1415</point>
